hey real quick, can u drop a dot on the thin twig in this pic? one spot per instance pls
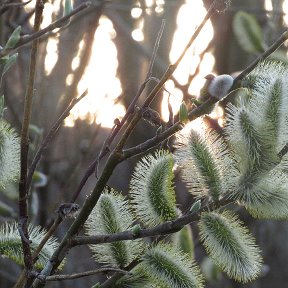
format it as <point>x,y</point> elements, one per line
<point>57,24</point>
<point>110,282</point>
<point>170,70</point>
<point>51,134</point>
<point>83,274</point>
<point>111,137</point>
<point>155,49</point>
<point>158,138</point>
<point>4,7</point>
<point>23,209</point>
<point>50,232</point>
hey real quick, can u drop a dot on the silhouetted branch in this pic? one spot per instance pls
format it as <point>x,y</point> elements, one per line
<point>117,127</point>
<point>51,134</point>
<point>262,57</point>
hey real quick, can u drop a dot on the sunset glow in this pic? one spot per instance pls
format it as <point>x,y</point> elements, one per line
<point>100,79</point>
<point>100,75</point>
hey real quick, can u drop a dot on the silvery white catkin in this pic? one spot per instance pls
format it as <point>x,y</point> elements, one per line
<point>220,86</point>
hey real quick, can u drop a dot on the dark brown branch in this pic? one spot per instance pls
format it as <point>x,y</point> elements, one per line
<point>153,142</point>
<point>283,151</point>
<point>33,166</point>
<point>170,70</point>
<point>158,138</point>
<point>83,274</point>
<point>23,209</point>
<point>6,5</point>
<point>168,227</point>
<point>50,232</point>
<point>262,57</point>
<point>51,134</point>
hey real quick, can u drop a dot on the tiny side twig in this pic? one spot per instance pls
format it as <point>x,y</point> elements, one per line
<point>117,128</point>
<point>51,134</point>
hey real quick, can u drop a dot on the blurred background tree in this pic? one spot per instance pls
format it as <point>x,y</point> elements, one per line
<point>107,48</point>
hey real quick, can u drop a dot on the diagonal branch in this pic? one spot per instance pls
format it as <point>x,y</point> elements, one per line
<point>51,134</point>
<point>200,110</point>
<point>6,5</point>
<point>165,228</point>
<point>283,37</point>
<point>158,138</point>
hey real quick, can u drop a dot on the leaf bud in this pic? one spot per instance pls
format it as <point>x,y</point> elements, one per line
<point>195,206</point>
<point>14,38</point>
<point>136,230</point>
<point>183,113</point>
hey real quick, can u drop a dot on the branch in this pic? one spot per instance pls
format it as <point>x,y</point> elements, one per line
<point>116,276</point>
<point>200,110</point>
<point>165,228</point>
<point>50,232</point>
<point>158,138</point>
<point>117,128</point>
<point>283,151</point>
<point>23,209</point>
<point>170,70</point>
<point>33,166</point>
<point>262,57</point>
<point>57,24</point>
<point>51,134</point>
<point>113,160</point>
<point>83,274</point>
